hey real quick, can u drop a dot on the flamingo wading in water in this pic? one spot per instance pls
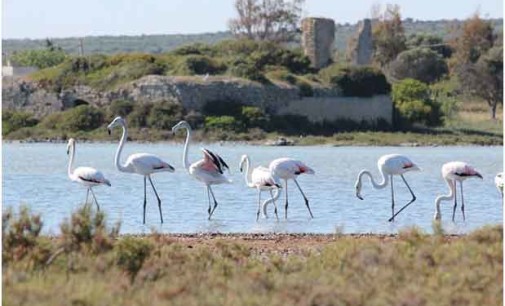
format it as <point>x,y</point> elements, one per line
<point>389,166</point>
<point>453,172</point>
<point>208,170</point>
<point>289,169</point>
<point>260,178</point>
<point>139,163</point>
<point>498,181</point>
<point>86,176</point>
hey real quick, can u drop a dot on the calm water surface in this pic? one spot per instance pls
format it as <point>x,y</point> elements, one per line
<point>36,175</point>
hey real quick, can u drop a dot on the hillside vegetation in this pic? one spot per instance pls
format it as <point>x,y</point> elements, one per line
<point>167,42</point>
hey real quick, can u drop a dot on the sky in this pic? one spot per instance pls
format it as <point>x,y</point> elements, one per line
<point>70,18</point>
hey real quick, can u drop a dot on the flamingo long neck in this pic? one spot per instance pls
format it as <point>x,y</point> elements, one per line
<point>248,173</point>
<point>446,197</point>
<point>185,160</point>
<point>376,185</point>
<point>119,149</point>
<point>277,193</point>
<point>71,162</point>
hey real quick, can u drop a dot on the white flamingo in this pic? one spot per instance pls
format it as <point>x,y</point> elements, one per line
<point>273,197</point>
<point>260,178</point>
<point>86,176</point>
<point>139,163</point>
<point>208,170</point>
<point>389,166</point>
<point>498,181</point>
<point>453,172</point>
<point>289,169</point>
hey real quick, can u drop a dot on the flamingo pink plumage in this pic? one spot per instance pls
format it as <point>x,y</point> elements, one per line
<point>208,170</point>
<point>86,176</point>
<point>144,164</point>
<point>389,165</point>
<point>289,169</point>
<point>453,172</point>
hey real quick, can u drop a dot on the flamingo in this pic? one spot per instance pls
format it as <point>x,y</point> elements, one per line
<point>498,181</point>
<point>260,178</point>
<point>273,197</point>
<point>453,172</point>
<point>208,170</point>
<point>139,163</point>
<point>86,176</point>
<point>389,165</point>
<point>289,169</point>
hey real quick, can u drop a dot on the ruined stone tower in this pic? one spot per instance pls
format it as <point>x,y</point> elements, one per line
<point>318,35</point>
<point>363,48</point>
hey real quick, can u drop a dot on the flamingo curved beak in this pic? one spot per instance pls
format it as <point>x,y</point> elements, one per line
<point>359,197</point>
<point>479,175</point>
<point>108,131</point>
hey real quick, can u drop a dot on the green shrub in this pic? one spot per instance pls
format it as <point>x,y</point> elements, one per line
<point>247,70</point>
<point>226,123</point>
<point>198,64</point>
<point>52,121</point>
<point>196,48</point>
<point>253,116</point>
<point>421,64</point>
<point>39,58</point>
<point>413,103</point>
<point>120,108</point>
<point>138,117</point>
<point>282,74</point>
<point>81,118</point>
<point>14,120</point>
<point>357,81</point>
<point>164,115</point>
<point>131,254</point>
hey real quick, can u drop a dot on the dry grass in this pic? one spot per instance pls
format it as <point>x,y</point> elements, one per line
<point>411,268</point>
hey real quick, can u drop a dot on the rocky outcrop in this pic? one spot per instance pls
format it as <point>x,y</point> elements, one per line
<point>193,93</point>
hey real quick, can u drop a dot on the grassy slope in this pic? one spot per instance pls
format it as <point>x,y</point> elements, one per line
<point>409,269</point>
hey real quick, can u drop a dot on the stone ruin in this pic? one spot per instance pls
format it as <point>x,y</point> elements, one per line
<point>318,36</point>
<point>361,48</point>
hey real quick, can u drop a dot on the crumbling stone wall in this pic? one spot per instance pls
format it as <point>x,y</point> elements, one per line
<point>362,47</point>
<point>318,35</point>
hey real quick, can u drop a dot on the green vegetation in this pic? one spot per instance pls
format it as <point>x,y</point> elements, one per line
<point>412,100</point>
<point>411,267</point>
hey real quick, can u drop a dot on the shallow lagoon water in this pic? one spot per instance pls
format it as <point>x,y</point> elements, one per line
<point>35,174</point>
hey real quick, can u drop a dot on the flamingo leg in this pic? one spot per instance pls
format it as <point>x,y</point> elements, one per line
<point>304,197</point>
<point>87,194</point>
<point>462,201</point>
<point>455,201</point>
<point>145,200</point>
<point>259,205</point>
<point>208,197</point>
<point>159,200</point>
<point>94,197</point>
<point>286,205</point>
<point>215,202</point>
<point>411,201</point>
<point>392,201</point>
<point>275,205</point>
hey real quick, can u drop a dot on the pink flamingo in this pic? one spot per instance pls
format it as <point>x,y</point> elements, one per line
<point>389,165</point>
<point>208,170</point>
<point>289,169</point>
<point>453,172</point>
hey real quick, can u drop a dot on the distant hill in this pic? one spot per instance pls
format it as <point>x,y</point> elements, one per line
<point>164,43</point>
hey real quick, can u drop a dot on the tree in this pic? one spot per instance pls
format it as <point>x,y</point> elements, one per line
<point>484,79</point>
<point>474,38</point>
<point>273,20</point>
<point>412,102</point>
<point>388,36</point>
<point>433,42</point>
<point>421,64</point>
